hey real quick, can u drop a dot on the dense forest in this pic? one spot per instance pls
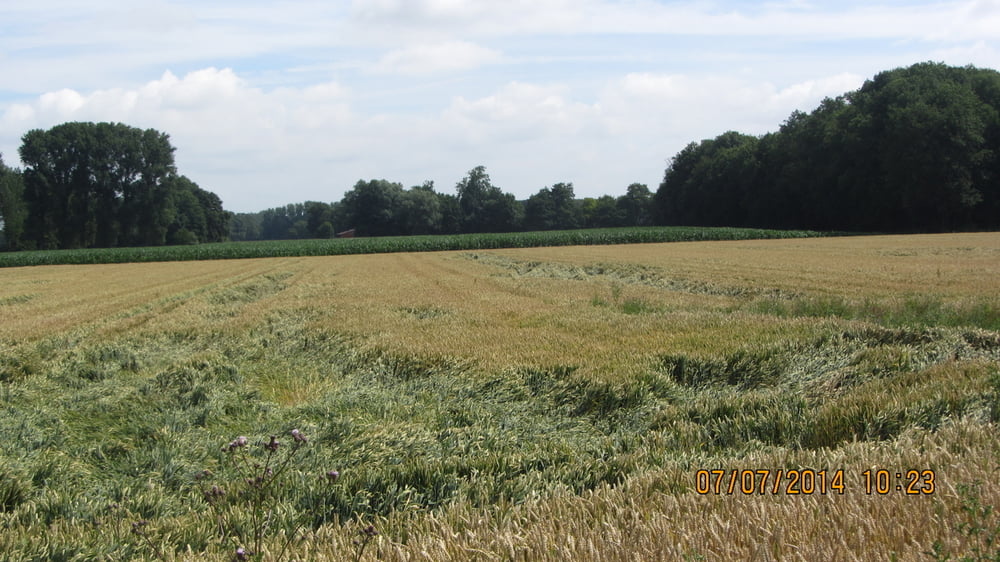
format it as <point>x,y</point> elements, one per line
<point>914,149</point>
<point>383,208</point>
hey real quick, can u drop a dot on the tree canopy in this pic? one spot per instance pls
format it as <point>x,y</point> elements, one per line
<point>552,209</point>
<point>914,149</point>
<point>108,184</point>
<point>484,206</point>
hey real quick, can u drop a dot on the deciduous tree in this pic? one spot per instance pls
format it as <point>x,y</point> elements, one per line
<point>107,184</point>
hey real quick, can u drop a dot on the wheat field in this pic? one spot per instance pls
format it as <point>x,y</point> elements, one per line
<point>522,404</point>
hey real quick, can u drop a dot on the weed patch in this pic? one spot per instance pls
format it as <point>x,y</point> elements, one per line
<point>617,275</point>
<point>16,299</point>
<point>909,311</point>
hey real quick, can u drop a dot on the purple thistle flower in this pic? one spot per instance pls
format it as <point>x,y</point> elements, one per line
<point>240,441</point>
<point>273,444</point>
<point>298,436</point>
<point>213,494</point>
<point>138,527</point>
<point>332,475</point>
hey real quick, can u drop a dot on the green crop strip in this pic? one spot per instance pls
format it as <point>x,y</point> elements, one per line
<point>391,244</point>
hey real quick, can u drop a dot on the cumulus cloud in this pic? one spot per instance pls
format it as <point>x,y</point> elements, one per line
<point>519,111</point>
<point>260,148</point>
<point>978,19</point>
<point>227,133</point>
<point>270,106</point>
<point>713,104</point>
<point>540,134</point>
<point>979,53</point>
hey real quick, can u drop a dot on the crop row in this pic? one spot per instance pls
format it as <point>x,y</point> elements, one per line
<point>378,245</point>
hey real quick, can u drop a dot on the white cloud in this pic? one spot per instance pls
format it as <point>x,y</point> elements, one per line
<point>979,53</point>
<point>519,111</point>
<point>63,102</point>
<point>272,105</point>
<point>710,104</point>
<point>228,134</point>
<point>449,56</point>
<point>260,149</point>
<point>538,134</point>
<point>806,95</point>
<point>100,43</point>
<point>977,19</point>
<point>421,9</point>
<point>202,88</point>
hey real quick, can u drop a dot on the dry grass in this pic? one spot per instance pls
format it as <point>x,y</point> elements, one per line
<point>447,304</point>
<point>878,266</point>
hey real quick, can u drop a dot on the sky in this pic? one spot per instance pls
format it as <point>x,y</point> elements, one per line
<point>270,103</point>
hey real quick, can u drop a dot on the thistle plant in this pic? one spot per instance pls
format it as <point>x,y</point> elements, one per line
<point>366,536</point>
<point>246,508</point>
<point>139,530</point>
<point>246,500</point>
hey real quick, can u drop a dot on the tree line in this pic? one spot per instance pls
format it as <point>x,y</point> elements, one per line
<point>88,185</point>
<point>384,208</point>
<point>914,149</point>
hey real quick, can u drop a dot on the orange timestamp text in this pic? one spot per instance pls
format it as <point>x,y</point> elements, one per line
<point>807,481</point>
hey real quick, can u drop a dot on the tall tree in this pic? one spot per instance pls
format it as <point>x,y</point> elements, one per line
<point>485,207</point>
<point>913,149</point>
<point>108,184</point>
<point>932,127</point>
<point>319,219</point>
<point>276,223</point>
<point>245,226</point>
<point>371,207</point>
<point>708,183</point>
<point>602,212</point>
<point>451,214</point>
<point>552,208</point>
<point>420,210</point>
<point>636,205</point>
<point>194,215</point>
<point>90,184</point>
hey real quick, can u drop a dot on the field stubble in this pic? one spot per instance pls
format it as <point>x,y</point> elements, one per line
<point>513,404</point>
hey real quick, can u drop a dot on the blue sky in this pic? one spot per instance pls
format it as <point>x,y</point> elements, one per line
<point>269,103</point>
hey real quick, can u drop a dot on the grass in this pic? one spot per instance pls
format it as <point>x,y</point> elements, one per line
<point>344,246</point>
<point>910,310</point>
<point>542,404</point>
